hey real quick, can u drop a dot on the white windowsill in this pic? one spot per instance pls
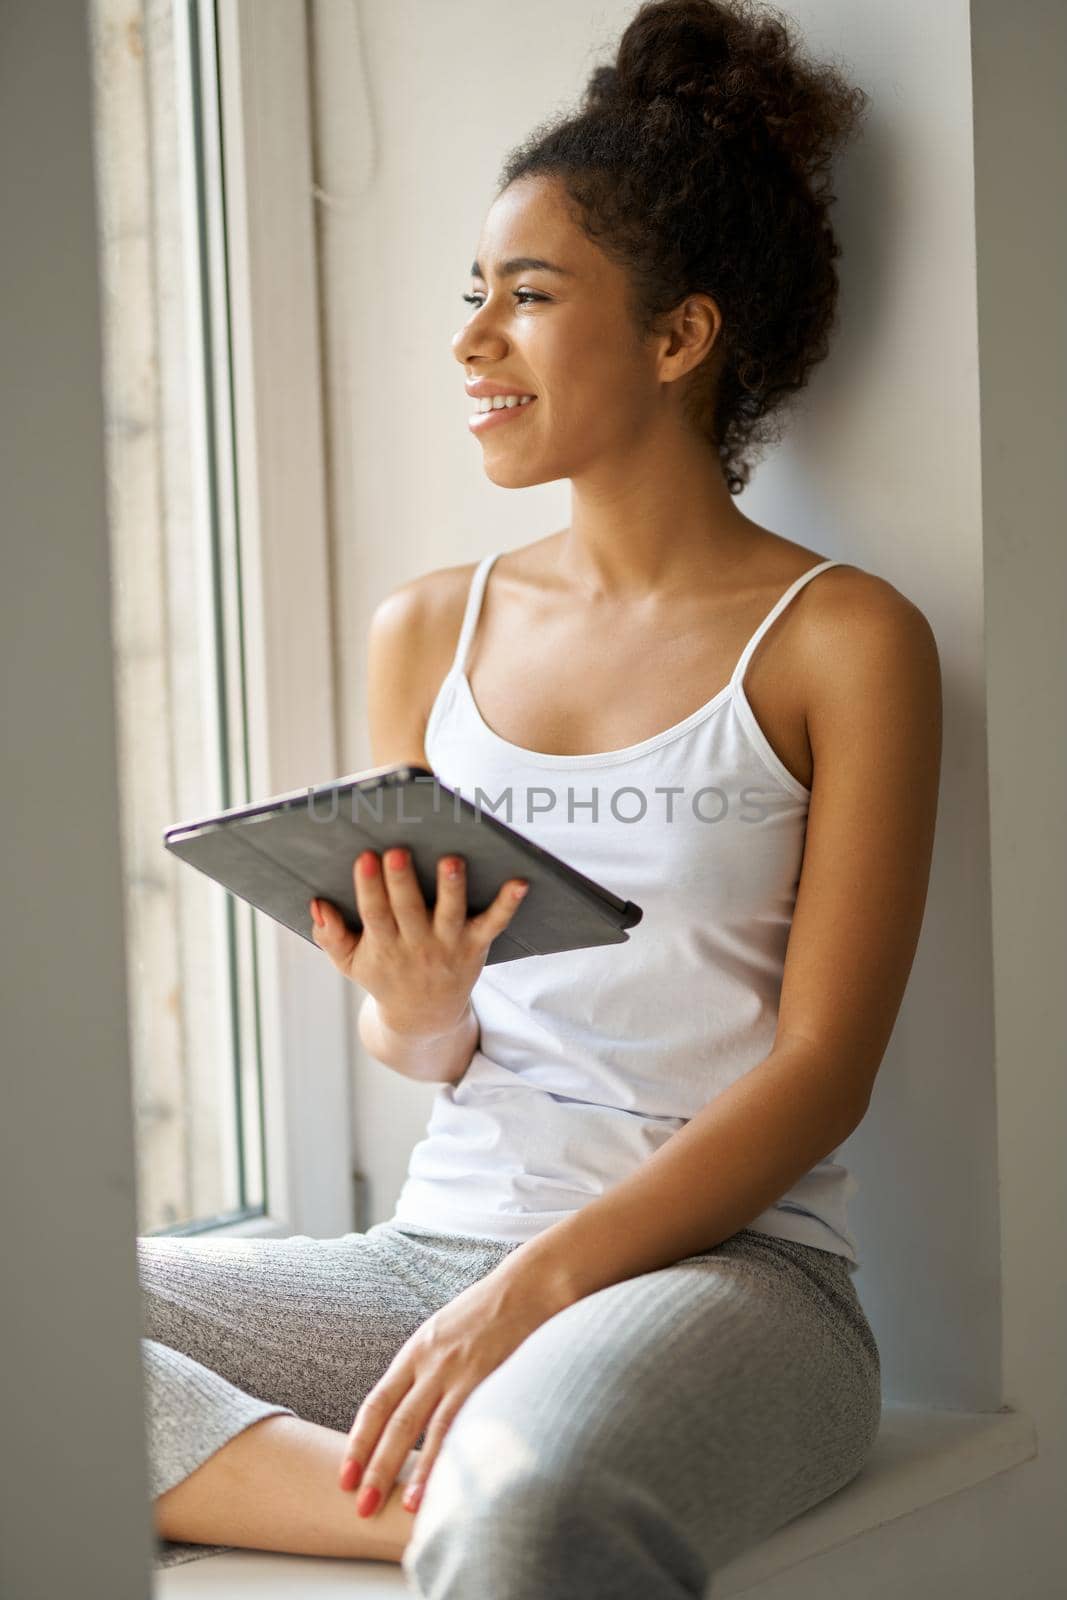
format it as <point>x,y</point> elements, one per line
<point>921,1456</point>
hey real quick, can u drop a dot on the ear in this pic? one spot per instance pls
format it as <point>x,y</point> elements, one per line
<point>691,333</point>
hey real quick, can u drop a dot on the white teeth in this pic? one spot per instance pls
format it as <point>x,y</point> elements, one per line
<point>497,402</point>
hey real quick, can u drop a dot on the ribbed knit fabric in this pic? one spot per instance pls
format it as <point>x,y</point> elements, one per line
<point>240,1329</point>
<point>642,1438</point>
<point>211,1413</point>
<point>626,1449</point>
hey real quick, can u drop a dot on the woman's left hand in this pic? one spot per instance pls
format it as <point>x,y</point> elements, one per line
<point>432,1375</point>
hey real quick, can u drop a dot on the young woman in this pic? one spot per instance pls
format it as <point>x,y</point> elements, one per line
<point>615,1305</point>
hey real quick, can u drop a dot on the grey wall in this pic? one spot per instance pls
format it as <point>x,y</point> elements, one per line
<point>74,1510</point>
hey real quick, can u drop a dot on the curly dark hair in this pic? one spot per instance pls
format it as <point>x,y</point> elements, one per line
<point>700,160</point>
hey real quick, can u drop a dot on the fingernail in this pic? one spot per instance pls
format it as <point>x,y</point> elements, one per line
<point>397,859</point>
<point>369,1500</point>
<point>413,1498</point>
<point>351,1473</point>
<point>518,892</point>
<point>316,912</point>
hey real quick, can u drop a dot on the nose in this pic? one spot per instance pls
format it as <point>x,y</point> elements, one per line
<point>475,339</point>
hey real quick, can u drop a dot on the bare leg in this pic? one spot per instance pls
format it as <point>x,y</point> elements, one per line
<point>274,1487</point>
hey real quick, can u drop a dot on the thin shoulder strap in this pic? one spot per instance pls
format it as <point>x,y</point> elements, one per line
<point>774,613</point>
<point>471,610</point>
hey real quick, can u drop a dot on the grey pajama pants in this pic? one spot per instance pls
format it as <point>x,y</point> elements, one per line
<point>628,1449</point>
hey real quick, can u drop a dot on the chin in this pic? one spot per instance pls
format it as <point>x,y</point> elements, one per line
<point>515,476</point>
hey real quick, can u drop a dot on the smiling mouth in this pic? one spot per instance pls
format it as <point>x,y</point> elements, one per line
<point>509,398</point>
<point>479,421</point>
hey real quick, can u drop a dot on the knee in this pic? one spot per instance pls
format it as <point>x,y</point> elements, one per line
<point>491,1522</point>
<point>503,1520</point>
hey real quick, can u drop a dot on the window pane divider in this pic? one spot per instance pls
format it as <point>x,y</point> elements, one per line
<point>280,507</point>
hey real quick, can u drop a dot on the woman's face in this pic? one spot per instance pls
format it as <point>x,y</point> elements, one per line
<point>566,337</point>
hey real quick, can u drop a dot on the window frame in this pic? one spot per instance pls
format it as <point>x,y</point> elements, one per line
<point>278,485</point>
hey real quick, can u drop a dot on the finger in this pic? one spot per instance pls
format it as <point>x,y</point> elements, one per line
<point>408,1469</point>
<point>369,1422</point>
<point>372,901</point>
<point>411,1499</point>
<point>450,909</point>
<point>495,918</point>
<point>423,1460</point>
<point>332,935</point>
<point>405,896</point>
<point>392,1450</point>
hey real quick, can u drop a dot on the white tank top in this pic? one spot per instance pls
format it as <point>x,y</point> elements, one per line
<point>588,1060</point>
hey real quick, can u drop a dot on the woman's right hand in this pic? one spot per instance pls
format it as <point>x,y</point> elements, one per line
<point>419,965</point>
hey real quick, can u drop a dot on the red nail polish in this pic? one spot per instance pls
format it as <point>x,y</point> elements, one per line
<point>368,1501</point>
<point>351,1473</point>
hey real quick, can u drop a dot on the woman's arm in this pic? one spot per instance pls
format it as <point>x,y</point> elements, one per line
<point>410,625</point>
<point>873,691</point>
<point>443,1058</point>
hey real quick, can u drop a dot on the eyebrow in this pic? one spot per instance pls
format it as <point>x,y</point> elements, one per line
<point>508,269</point>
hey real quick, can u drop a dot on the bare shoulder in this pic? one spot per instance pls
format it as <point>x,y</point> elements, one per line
<point>872,685</point>
<point>871,676</point>
<point>425,612</point>
<point>859,629</point>
<point>420,619</point>
<point>411,641</point>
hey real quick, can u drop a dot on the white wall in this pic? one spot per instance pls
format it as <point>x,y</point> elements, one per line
<point>883,469</point>
<point>902,460</point>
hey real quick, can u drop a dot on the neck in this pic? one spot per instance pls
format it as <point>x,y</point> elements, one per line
<point>656,520</point>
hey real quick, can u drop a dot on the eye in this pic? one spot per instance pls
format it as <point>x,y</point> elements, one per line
<point>524,297</point>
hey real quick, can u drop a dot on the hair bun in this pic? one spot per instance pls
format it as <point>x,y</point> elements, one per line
<point>729,64</point>
<point>679,49</point>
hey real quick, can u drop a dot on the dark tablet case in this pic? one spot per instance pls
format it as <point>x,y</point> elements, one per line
<point>282,853</point>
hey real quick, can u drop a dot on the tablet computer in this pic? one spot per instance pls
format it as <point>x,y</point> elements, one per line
<point>282,853</point>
